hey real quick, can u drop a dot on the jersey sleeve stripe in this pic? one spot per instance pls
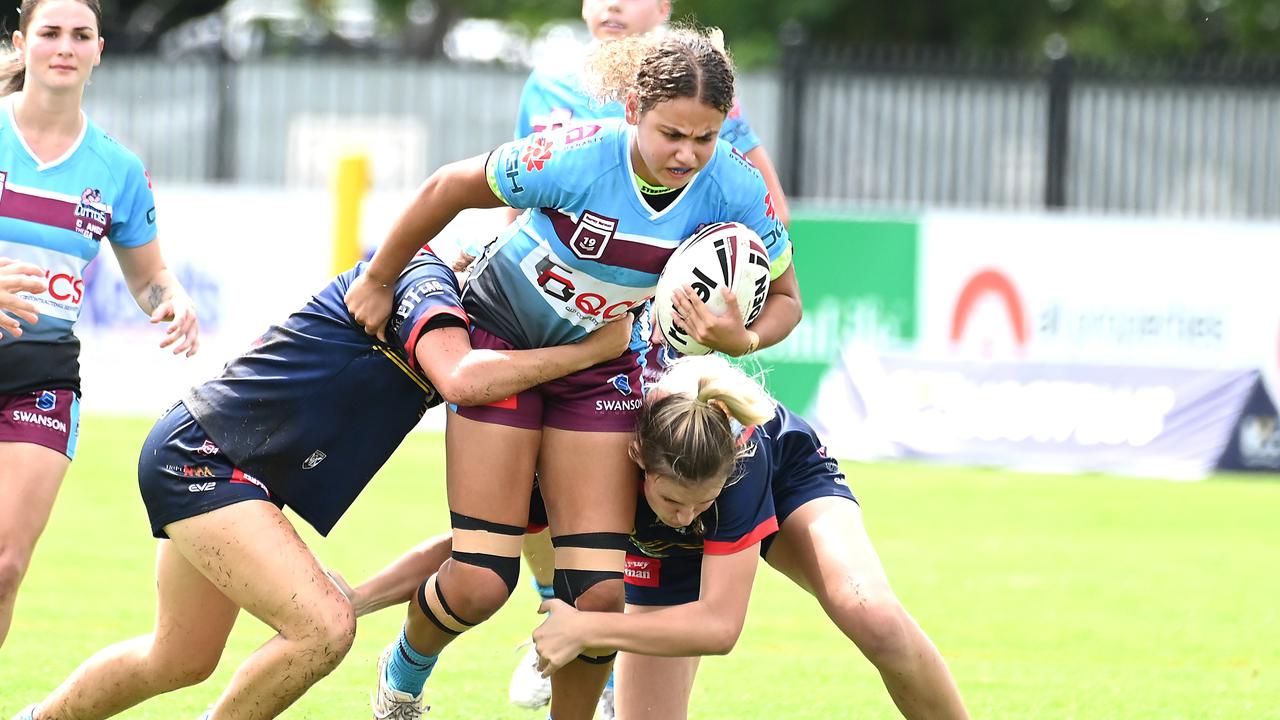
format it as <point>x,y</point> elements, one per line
<point>779,266</point>
<point>761,531</point>
<point>411,345</point>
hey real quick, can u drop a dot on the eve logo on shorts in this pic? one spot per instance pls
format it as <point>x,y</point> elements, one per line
<point>201,487</point>
<point>592,234</point>
<point>316,458</point>
<point>47,401</point>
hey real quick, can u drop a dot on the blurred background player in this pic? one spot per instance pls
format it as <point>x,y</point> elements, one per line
<point>304,418</point>
<point>716,497</point>
<point>590,250</point>
<point>67,186</point>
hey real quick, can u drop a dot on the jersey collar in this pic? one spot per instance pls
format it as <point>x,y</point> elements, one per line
<point>42,166</point>
<point>636,197</point>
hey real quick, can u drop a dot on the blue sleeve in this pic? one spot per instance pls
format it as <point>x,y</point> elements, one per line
<point>753,207</point>
<point>133,216</point>
<point>737,130</point>
<point>424,293</point>
<point>540,171</point>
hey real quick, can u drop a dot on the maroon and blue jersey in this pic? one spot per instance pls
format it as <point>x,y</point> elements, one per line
<point>317,406</point>
<point>591,247</point>
<point>57,215</point>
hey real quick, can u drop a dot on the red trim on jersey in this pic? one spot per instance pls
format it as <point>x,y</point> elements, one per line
<point>746,435</point>
<point>508,403</point>
<point>411,345</point>
<point>762,531</point>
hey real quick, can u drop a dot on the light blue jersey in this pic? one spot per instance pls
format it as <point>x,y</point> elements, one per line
<point>554,98</point>
<point>591,248</point>
<point>56,215</point>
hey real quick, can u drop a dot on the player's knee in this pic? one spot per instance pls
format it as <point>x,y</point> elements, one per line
<point>13,566</point>
<point>470,593</point>
<point>188,669</point>
<point>589,576</point>
<point>878,624</point>
<point>604,596</point>
<point>324,633</point>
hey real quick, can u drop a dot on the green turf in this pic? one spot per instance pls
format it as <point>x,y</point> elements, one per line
<point>1085,597</point>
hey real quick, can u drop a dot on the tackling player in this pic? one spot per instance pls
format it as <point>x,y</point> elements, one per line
<point>65,188</point>
<point>716,498</point>
<point>610,201</point>
<point>304,418</point>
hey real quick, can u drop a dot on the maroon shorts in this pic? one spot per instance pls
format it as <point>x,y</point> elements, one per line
<point>50,418</point>
<point>603,398</point>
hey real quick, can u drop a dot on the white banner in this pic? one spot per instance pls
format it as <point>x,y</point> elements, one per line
<point>249,257</point>
<point>1101,290</point>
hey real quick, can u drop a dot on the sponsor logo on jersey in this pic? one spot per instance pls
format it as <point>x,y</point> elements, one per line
<point>555,119</point>
<point>536,153</point>
<point>201,487</point>
<point>92,217</point>
<point>316,458</point>
<point>618,405</point>
<point>47,401</point>
<point>580,133</point>
<point>642,571</point>
<point>592,233</point>
<point>31,418</point>
<point>208,448</point>
<point>621,383</point>
<point>561,283</point>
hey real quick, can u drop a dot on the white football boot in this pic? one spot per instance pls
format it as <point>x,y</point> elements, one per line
<point>528,688</point>
<point>391,704</point>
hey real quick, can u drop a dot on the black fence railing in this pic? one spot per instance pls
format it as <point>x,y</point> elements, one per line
<point>925,127</point>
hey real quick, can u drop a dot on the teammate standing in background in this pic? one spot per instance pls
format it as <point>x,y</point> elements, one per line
<point>65,187</point>
<point>610,202</point>
<point>716,497</point>
<point>554,96</point>
<point>304,418</point>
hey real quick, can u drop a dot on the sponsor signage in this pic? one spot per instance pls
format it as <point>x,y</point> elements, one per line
<point>1101,290</point>
<point>857,281</point>
<point>1137,420</point>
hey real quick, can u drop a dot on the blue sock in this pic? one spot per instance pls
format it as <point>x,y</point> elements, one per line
<point>546,591</point>
<point>609,685</point>
<point>408,669</point>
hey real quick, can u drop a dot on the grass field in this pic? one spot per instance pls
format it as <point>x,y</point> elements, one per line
<point>1051,597</point>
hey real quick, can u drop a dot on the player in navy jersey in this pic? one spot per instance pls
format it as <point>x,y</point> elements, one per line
<point>608,203</point>
<point>303,419</point>
<point>702,523</point>
<point>66,189</point>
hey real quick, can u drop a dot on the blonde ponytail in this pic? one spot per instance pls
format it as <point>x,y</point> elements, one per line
<point>684,431</point>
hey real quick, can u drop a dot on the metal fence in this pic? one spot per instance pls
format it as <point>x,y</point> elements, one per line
<point>900,128</point>
<point>918,127</point>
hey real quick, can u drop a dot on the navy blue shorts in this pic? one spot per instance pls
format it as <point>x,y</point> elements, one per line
<point>182,473</point>
<point>678,580</point>
<point>793,492</point>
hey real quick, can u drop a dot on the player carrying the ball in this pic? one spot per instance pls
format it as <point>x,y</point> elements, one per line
<point>608,203</point>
